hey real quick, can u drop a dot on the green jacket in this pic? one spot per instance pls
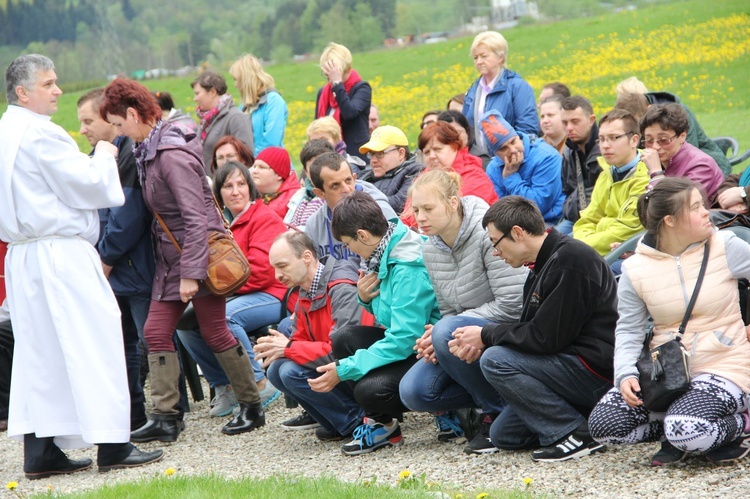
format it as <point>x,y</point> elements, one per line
<point>612,215</point>
<point>405,304</point>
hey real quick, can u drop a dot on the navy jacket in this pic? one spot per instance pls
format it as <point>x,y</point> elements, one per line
<point>125,231</point>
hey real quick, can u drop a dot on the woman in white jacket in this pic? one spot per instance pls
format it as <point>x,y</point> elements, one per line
<point>473,287</point>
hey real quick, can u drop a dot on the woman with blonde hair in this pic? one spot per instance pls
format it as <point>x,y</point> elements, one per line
<point>261,101</point>
<point>473,288</point>
<point>328,129</point>
<point>345,97</point>
<point>498,88</point>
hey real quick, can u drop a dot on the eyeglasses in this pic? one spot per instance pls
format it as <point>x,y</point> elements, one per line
<point>608,139</point>
<point>380,154</point>
<point>661,142</point>
<point>494,246</point>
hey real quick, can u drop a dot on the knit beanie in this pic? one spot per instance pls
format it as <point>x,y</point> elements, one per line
<point>278,159</point>
<point>496,130</point>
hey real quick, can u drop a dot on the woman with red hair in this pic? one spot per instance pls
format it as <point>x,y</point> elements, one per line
<point>175,188</point>
<point>230,148</point>
<point>442,149</point>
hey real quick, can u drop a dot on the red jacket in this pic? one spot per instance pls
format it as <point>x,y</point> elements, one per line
<point>280,204</point>
<point>474,182</point>
<point>3,250</point>
<point>254,232</point>
<point>316,318</point>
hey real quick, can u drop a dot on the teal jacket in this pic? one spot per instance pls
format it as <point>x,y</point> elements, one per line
<point>405,304</point>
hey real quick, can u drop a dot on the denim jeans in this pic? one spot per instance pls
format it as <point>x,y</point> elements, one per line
<point>334,410</point>
<point>134,311</point>
<point>566,227</point>
<point>244,314</point>
<point>548,396</point>
<point>451,383</point>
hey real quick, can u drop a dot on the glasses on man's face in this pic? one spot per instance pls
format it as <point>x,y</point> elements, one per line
<point>663,142</point>
<point>610,139</point>
<point>380,154</point>
<point>494,246</point>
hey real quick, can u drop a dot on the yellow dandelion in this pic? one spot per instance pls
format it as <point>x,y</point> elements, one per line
<point>11,485</point>
<point>404,475</point>
<point>458,496</point>
<point>528,480</point>
<point>482,495</point>
<point>169,471</point>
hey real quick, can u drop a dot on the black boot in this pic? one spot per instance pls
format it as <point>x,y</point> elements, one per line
<point>122,456</point>
<point>159,427</point>
<point>251,416</point>
<point>43,459</point>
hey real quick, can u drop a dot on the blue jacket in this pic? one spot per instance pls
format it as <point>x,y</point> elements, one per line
<point>406,303</point>
<point>538,179</point>
<point>269,121</point>
<point>125,232</point>
<point>513,97</point>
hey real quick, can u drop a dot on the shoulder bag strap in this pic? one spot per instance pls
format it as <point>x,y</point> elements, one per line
<point>168,232</point>
<point>698,283</point>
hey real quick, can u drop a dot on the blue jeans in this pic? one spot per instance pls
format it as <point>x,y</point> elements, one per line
<point>134,311</point>
<point>548,396</point>
<point>335,410</point>
<point>566,227</point>
<point>244,314</point>
<point>451,383</point>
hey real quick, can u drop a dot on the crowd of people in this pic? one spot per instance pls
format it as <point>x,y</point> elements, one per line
<point>465,278</point>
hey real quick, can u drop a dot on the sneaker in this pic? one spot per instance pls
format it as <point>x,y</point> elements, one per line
<point>371,436</point>
<point>481,443</point>
<point>449,428</point>
<point>577,444</point>
<point>734,450</point>
<point>302,422</point>
<point>329,435</point>
<point>224,402</point>
<point>268,394</point>
<point>668,454</point>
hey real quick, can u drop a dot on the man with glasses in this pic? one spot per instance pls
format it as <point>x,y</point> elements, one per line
<point>393,166</point>
<point>554,364</point>
<point>580,167</point>
<point>612,216</point>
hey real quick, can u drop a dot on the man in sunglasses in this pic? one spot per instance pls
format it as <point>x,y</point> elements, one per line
<point>612,216</point>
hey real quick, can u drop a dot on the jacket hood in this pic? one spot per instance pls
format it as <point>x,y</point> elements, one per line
<point>405,247</point>
<point>171,137</point>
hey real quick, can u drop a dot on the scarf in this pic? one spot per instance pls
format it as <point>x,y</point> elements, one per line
<point>140,151</point>
<point>328,100</point>
<point>267,198</point>
<point>372,264</point>
<point>309,194</point>
<point>207,117</point>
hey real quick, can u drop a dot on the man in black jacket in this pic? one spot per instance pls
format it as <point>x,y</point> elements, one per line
<point>553,365</point>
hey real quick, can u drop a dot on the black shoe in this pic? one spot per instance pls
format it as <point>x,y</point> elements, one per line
<point>3,425</point>
<point>136,458</point>
<point>734,450</point>
<point>251,416</point>
<point>302,422</point>
<point>329,436</point>
<point>577,444</point>
<point>481,443</point>
<point>65,467</point>
<point>159,427</point>
<point>668,454</point>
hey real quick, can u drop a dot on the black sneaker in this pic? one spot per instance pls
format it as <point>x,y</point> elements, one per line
<point>302,422</point>
<point>577,444</point>
<point>481,443</point>
<point>668,454</point>
<point>734,450</point>
<point>329,436</point>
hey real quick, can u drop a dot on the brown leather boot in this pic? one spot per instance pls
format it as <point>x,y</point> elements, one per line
<point>162,423</point>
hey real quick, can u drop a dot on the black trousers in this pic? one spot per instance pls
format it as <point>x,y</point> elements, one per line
<point>377,391</point>
<point>41,454</point>
<point>6,364</point>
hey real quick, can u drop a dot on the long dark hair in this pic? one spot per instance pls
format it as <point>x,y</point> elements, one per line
<point>671,196</point>
<point>225,171</point>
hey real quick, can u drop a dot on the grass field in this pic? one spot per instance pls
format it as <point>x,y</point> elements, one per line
<point>698,50</point>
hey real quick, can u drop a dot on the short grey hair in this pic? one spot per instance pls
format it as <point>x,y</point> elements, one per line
<point>23,72</point>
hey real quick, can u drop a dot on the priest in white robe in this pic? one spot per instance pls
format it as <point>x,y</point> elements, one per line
<point>68,386</point>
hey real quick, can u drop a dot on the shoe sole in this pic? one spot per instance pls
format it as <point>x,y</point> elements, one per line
<point>577,455</point>
<point>302,427</point>
<point>221,414</point>
<point>272,398</point>
<point>48,474</point>
<point>106,469</point>
<point>239,432</point>
<point>162,438</point>
<point>657,464</point>
<point>481,452</point>
<point>730,460</point>
<point>387,443</point>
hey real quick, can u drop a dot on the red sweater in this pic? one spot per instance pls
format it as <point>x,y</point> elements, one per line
<point>289,187</point>
<point>254,232</point>
<point>474,182</point>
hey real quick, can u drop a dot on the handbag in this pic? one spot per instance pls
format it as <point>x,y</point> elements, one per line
<point>228,269</point>
<point>664,372</point>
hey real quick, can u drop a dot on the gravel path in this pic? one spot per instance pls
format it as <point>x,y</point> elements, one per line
<point>620,472</point>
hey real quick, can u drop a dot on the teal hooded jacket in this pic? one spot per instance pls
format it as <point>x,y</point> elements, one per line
<point>406,303</point>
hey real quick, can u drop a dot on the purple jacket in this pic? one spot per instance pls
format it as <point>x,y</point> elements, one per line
<point>698,166</point>
<point>175,186</point>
